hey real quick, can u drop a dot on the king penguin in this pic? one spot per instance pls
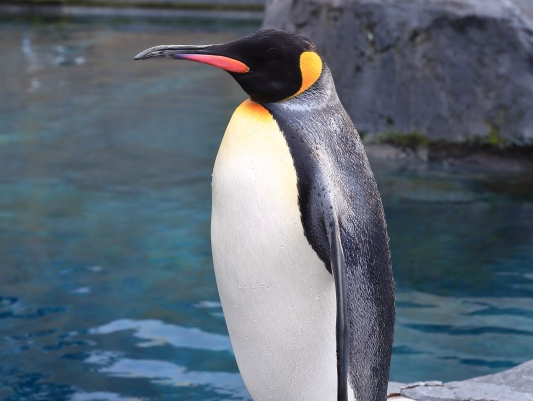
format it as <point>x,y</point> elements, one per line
<point>298,233</point>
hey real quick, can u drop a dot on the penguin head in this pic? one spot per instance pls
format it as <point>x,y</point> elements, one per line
<point>269,65</point>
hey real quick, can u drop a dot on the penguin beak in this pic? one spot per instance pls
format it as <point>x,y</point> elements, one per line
<point>201,54</point>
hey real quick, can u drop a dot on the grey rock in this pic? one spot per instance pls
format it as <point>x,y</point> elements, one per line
<point>395,387</point>
<point>511,385</point>
<point>454,70</point>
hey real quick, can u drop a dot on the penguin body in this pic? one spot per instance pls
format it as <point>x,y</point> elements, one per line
<point>278,298</point>
<point>299,239</point>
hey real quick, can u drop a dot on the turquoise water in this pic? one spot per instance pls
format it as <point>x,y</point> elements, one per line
<point>107,289</point>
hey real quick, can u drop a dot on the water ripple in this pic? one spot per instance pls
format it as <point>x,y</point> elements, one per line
<point>11,307</point>
<point>158,333</point>
<point>169,374</point>
<point>495,311</point>
<point>466,330</point>
<point>101,396</point>
<point>493,364</point>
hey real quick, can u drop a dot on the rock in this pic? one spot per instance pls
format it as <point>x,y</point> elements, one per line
<point>453,70</point>
<point>395,388</point>
<point>515,384</point>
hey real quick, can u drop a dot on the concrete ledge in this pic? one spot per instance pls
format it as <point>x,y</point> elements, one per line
<point>515,384</point>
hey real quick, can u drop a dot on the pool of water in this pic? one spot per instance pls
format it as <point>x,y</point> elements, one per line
<point>107,289</point>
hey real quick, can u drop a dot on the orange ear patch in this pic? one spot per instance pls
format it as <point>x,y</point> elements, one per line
<point>311,68</point>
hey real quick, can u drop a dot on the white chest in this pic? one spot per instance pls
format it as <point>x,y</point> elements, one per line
<point>278,298</point>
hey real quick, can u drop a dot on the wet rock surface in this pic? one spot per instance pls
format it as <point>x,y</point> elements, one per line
<point>511,385</point>
<point>455,71</point>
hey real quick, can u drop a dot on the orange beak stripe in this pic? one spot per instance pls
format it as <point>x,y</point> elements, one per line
<point>225,63</point>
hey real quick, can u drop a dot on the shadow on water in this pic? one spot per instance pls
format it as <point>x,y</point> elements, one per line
<point>107,288</point>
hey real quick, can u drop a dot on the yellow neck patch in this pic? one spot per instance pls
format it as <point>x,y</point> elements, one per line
<point>254,110</point>
<point>311,68</point>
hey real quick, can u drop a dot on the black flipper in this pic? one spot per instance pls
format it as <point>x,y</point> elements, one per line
<point>338,268</point>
